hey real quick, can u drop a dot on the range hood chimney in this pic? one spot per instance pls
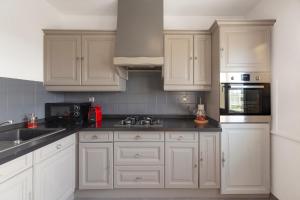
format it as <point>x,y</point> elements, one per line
<point>139,41</point>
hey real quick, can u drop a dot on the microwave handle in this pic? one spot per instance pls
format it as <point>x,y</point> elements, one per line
<point>247,86</point>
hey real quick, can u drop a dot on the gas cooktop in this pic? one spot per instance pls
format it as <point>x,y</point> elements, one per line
<point>139,121</point>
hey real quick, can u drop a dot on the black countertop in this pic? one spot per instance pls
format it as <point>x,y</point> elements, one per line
<point>174,123</point>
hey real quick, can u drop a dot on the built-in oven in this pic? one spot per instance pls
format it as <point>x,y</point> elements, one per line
<point>244,97</point>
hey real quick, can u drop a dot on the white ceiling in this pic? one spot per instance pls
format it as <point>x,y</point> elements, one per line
<point>171,7</point>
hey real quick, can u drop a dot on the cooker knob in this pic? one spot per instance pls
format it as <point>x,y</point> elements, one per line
<point>76,114</point>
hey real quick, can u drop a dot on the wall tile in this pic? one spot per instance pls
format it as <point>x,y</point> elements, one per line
<point>21,97</point>
<point>144,95</point>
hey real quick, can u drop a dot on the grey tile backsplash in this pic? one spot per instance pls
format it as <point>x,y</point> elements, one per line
<point>20,97</point>
<point>144,95</point>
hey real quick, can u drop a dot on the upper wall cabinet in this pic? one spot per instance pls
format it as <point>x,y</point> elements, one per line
<point>245,46</point>
<point>80,61</point>
<point>187,61</point>
<point>62,60</point>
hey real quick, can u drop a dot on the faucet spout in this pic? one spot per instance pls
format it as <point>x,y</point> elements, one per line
<point>8,122</point>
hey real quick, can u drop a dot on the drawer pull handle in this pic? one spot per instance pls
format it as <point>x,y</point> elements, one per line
<point>223,159</point>
<point>180,137</point>
<point>195,165</point>
<point>58,146</point>
<point>138,178</point>
<point>137,137</point>
<point>95,137</point>
<point>137,155</point>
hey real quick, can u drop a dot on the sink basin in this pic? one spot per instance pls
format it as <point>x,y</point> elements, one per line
<point>21,135</point>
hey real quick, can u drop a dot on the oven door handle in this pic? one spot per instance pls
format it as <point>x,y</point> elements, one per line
<point>247,86</point>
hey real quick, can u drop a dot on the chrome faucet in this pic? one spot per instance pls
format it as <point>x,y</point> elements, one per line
<point>8,122</point>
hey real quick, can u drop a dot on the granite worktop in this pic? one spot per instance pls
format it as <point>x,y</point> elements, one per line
<point>169,123</point>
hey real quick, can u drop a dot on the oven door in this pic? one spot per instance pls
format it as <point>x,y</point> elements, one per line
<point>245,99</point>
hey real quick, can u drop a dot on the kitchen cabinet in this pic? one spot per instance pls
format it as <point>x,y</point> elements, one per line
<point>54,170</point>
<point>187,61</point>
<point>181,165</point>
<point>18,187</point>
<point>139,159</point>
<point>95,166</point>
<point>209,160</point>
<point>80,61</point>
<point>62,64</point>
<point>95,160</point>
<point>244,45</point>
<point>245,159</point>
<point>97,64</point>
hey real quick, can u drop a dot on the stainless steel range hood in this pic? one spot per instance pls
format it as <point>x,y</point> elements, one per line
<point>139,40</point>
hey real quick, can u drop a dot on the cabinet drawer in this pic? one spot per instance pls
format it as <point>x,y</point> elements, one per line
<point>139,153</point>
<point>95,136</point>
<point>53,148</point>
<point>182,136</point>
<point>11,168</point>
<point>138,136</point>
<point>139,177</point>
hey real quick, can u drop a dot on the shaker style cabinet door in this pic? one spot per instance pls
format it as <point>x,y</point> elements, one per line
<point>97,62</point>
<point>202,60</point>
<point>95,166</point>
<point>54,178</point>
<point>245,159</point>
<point>245,49</point>
<point>181,165</point>
<point>62,60</point>
<point>178,68</point>
<point>18,187</point>
<point>209,160</point>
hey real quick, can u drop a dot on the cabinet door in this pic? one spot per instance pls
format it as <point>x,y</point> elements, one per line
<point>202,60</point>
<point>18,187</point>
<point>181,165</point>
<point>178,68</point>
<point>209,169</point>
<point>245,49</point>
<point>62,59</point>
<point>245,159</point>
<point>97,65</point>
<point>54,178</point>
<point>95,166</point>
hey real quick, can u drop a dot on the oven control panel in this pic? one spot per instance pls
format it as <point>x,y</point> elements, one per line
<point>253,77</point>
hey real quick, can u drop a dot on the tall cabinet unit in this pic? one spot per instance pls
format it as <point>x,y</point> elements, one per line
<point>245,159</point>
<point>80,61</point>
<point>187,61</point>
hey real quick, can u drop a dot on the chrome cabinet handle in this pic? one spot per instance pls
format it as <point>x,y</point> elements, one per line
<point>137,155</point>
<point>195,165</point>
<point>138,178</point>
<point>137,137</point>
<point>196,58</point>
<point>58,146</point>
<point>223,159</point>
<point>180,137</point>
<point>94,137</point>
<point>191,58</point>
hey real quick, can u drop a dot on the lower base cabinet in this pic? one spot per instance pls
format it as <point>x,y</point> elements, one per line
<point>54,177</point>
<point>95,166</point>
<point>245,159</point>
<point>181,165</point>
<point>18,187</point>
<point>209,160</point>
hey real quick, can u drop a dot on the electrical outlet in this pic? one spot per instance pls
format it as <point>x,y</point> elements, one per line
<point>92,99</point>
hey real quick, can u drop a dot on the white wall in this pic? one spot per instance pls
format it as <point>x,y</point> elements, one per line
<point>21,37</point>
<point>285,95</point>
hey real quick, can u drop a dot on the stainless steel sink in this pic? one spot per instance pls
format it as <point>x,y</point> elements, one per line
<point>22,135</point>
